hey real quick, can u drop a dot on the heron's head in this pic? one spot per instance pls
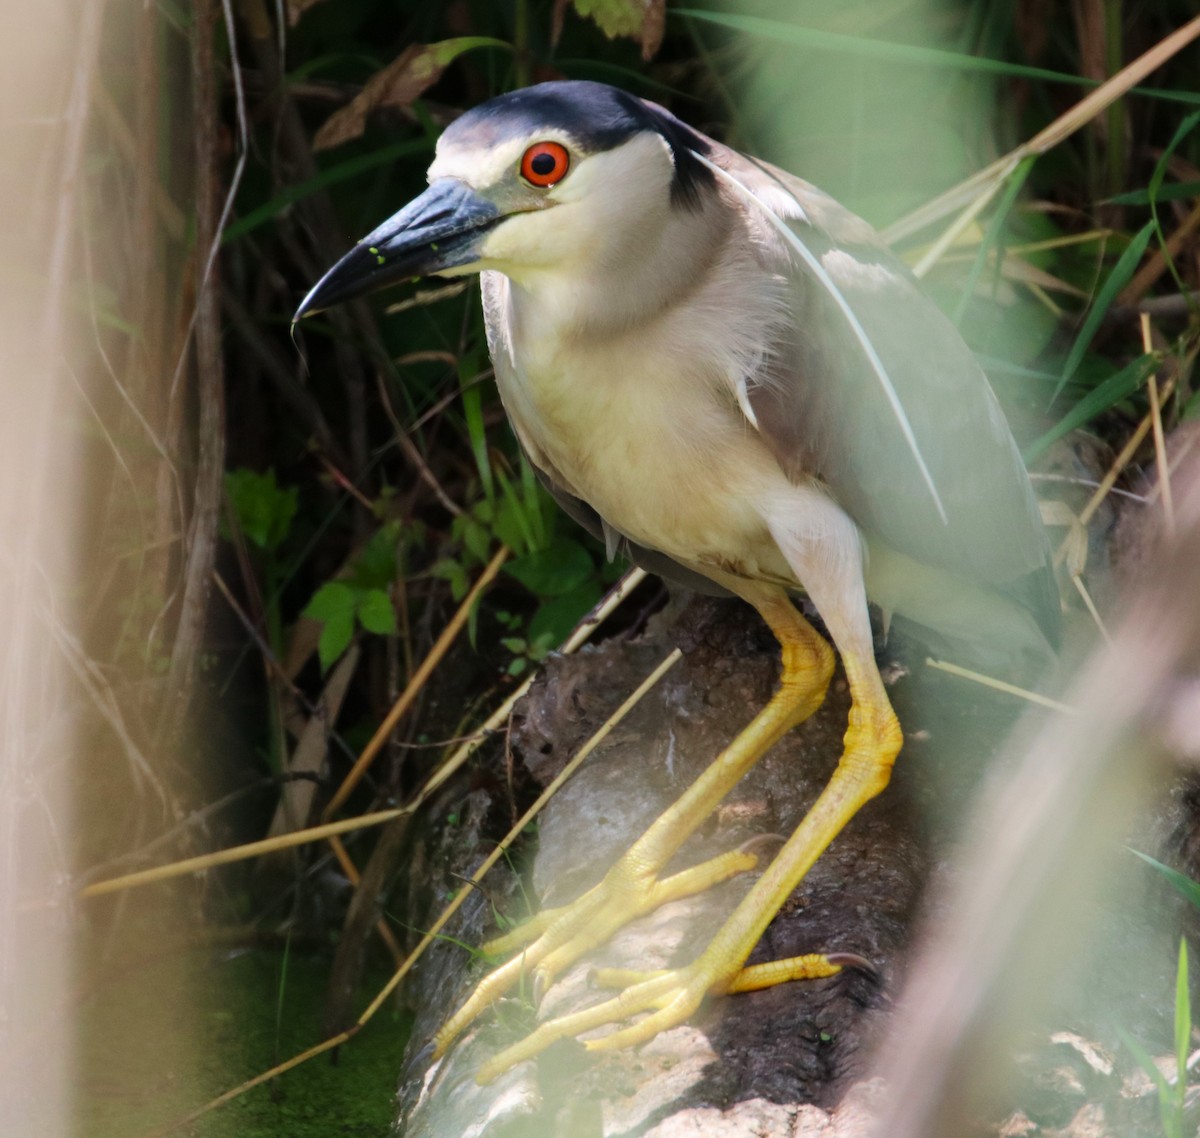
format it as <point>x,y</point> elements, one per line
<point>572,176</point>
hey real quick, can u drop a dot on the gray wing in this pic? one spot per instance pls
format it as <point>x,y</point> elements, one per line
<point>821,408</point>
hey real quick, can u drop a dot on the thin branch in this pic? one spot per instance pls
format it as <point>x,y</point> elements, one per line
<point>432,659</point>
<point>206,322</point>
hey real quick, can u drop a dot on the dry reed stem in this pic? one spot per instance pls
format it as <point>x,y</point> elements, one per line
<point>998,685</point>
<point>1160,444</point>
<point>462,753</point>
<point>418,681</point>
<point>1156,264</point>
<point>355,878</point>
<point>311,752</point>
<point>240,853</point>
<point>573,643</point>
<point>593,742</point>
<point>316,833</point>
<point>1114,471</point>
<point>204,327</point>
<point>1090,605</point>
<point>986,180</point>
<point>435,929</point>
<point>258,1080</point>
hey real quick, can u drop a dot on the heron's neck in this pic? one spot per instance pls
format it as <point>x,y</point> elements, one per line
<point>627,283</point>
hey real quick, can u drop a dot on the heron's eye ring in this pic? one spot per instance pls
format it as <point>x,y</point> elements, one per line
<point>544,164</point>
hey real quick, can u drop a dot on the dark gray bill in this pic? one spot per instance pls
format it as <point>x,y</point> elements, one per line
<point>437,231</point>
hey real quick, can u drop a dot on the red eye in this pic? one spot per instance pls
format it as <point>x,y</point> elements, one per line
<point>545,163</point>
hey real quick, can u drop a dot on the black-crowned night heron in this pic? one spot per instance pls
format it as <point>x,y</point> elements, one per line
<point>725,374</point>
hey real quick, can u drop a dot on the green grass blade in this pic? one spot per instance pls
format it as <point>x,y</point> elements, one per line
<point>1184,885</point>
<point>534,500</point>
<point>1155,188</point>
<point>818,39</point>
<point>1096,402</point>
<point>1120,276</point>
<point>1145,1060</point>
<point>472,401</point>
<point>1177,191</point>
<point>991,238</point>
<point>1183,1022</point>
<point>517,511</point>
<point>351,168</point>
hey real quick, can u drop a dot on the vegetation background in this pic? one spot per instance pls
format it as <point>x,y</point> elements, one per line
<point>276,528</point>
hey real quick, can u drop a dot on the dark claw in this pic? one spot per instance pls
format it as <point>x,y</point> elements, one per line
<point>853,960</point>
<point>751,844</point>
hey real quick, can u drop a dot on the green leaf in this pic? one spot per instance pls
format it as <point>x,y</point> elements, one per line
<point>640,19</point>
<point>375,566</point>
<point>816,39</point>
<point>1124,269</point>
<point>556,618</point>
<point>477,538</point>
<point>541,647</point>
<point>333,600</point>
<point>454,573</point>
<point>1146,1061</point>
<point>1095,402</point>
<point>1184,885</point>
<point>1160,172</point>
<point>538,503</point>
<point>335,638</point>
<point>563,566</point>
<point>333,605</point>
<point>376,612</point>
<point>264,511</point>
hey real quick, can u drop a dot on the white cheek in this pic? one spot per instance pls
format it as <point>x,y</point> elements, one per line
<point>608,204</point>
<point>540,239</point>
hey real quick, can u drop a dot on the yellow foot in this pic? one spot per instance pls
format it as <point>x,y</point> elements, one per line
<point>752,977</point>
<point>556,938</point>
<point>669,996</point>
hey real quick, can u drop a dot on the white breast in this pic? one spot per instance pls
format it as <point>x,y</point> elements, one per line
<point>644,425</point>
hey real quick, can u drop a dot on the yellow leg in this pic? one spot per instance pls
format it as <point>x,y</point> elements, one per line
<point>632,887</point>
<point>872,742</point>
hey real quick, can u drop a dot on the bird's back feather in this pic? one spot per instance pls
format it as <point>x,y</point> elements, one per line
<point>816,404</point>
